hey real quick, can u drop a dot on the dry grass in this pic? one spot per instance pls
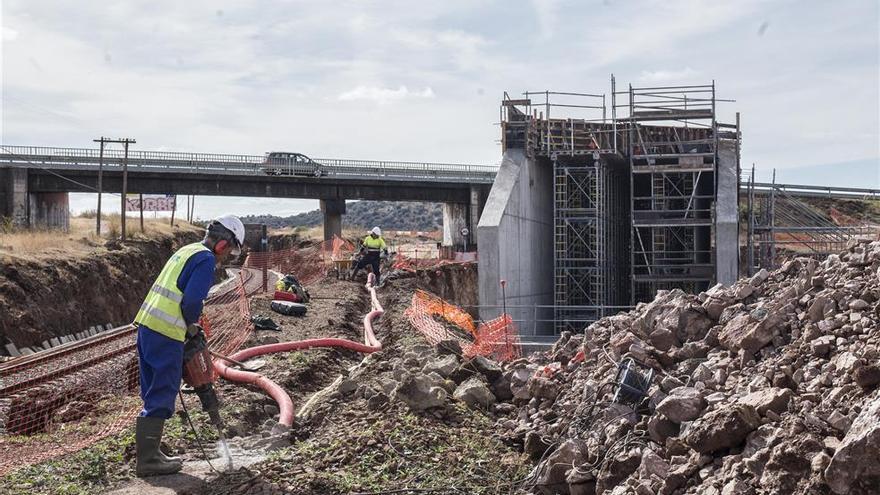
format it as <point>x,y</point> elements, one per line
<point>81,239</point>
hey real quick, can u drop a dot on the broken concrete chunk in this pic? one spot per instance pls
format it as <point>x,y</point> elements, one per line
<point>543,388</point>
<point>771,399</point>
<point>449,346</point>
<point>682,404</point>
<point>486,367</point>
<point>859,451</point>
<point>858,305</point>
<point>443,365</point>
<point>722,428</point>
<point>474,393</point>
<point>419,392</point>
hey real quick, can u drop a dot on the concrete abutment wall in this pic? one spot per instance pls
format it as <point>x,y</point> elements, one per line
<point>515,235</point>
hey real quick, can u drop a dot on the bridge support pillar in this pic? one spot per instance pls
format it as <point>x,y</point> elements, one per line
<point>455,218</point>
<point>458,216</point>
<point>333,209</point>
<point>14,195</point>
<point>49,210</point>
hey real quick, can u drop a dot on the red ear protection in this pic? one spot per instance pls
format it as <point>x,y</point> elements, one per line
<point>220,246</point>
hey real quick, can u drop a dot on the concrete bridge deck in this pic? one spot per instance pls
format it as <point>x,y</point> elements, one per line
<point>32,177</point>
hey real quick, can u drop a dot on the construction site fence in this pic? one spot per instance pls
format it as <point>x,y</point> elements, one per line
<point>308,264</point>
<point>540,319</point>
<point>438,320</point>
<point>69,397</point>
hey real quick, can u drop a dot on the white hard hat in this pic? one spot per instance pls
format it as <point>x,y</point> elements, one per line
<point>377,231</point>
<point>235,226</point>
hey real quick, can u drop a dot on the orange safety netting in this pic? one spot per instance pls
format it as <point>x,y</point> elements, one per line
<point>498,338</point>
<point>308,264</point>
<point>66,398</point>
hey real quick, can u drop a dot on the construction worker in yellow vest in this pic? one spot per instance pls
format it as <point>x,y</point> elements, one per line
<point>168,330</point>
<point>373,249</point>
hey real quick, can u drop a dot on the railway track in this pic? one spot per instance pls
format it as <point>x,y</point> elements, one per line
<point>19,374</point>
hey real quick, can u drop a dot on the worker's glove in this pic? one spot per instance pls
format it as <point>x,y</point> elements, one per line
<point>194,342</point>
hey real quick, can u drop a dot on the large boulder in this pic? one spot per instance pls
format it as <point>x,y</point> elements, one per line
<point>550,474</point>
<point>722,428</point>
<point>770,399</point>
<point>752,331</point>
<point>855,462</point>
<point>443,365</point>
<point>474,393</point>
<point>519,381</point>
<point>676,313</point>
<point>419,392</point>
<point>486,367</point>
<point>682,404</point>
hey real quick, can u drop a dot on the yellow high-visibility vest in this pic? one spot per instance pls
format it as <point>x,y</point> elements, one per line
<point>374,245</point>
<point>161,311</point>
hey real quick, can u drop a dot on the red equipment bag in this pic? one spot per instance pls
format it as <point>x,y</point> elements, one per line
<point>285,296</point>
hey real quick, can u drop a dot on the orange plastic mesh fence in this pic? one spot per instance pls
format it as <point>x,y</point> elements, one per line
<point>498,338</point>
<point>308,264</point>
<point>66,398</point>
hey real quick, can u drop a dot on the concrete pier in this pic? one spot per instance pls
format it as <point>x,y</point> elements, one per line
<point>14,195</point>
<point>49,210</point>
<point>333,209</point>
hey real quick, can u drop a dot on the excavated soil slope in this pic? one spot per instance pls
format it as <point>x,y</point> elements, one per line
<point>43,298</point>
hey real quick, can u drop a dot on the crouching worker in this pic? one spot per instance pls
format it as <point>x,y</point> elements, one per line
<point>373,249</point>
<point>166,319</point>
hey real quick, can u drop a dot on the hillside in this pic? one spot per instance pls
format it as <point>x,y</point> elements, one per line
<point>391,215</point>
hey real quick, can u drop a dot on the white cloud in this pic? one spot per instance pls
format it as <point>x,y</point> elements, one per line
<point>383,95</point>
<point>676,76</point>
<point>9,34</point>
<point>547,14</point>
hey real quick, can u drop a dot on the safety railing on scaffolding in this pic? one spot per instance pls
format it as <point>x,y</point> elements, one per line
<point>780,221</point>
<point>552,123</point>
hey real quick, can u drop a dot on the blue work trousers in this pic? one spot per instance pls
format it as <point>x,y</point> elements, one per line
<point>370,259</point>
<point>161,367</point>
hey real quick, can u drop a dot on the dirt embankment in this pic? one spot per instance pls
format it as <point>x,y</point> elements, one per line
<point>456,283</point>
<point>43,297</point>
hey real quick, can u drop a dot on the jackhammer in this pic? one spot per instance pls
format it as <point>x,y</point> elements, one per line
<point>198,373</point>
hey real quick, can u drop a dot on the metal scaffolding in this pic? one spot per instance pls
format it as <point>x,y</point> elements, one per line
<point>634,195</point>
<point>672,147</point>
<point>589,241</point>
<point>780,224</point>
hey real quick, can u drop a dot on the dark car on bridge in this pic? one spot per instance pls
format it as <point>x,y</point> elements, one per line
<point>285,163</point>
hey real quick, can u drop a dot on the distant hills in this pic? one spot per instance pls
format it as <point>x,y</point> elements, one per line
<point>389,215</point>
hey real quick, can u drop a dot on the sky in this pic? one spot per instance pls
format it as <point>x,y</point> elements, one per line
<point>422,81</point>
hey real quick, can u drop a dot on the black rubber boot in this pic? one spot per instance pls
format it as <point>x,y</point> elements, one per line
<point>150,460</point>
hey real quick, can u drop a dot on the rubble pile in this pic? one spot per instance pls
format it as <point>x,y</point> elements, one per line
<point>767,386</point>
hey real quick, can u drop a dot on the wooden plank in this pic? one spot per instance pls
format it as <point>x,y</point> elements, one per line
<point>55,341</point>
<point>12,350</point>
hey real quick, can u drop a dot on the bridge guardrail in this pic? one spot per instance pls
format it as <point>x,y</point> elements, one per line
<point>159,161</point>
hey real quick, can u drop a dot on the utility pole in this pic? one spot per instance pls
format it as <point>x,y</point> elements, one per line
<point>141,201</point>
<point>125,142</point>
<point>100,183</point>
